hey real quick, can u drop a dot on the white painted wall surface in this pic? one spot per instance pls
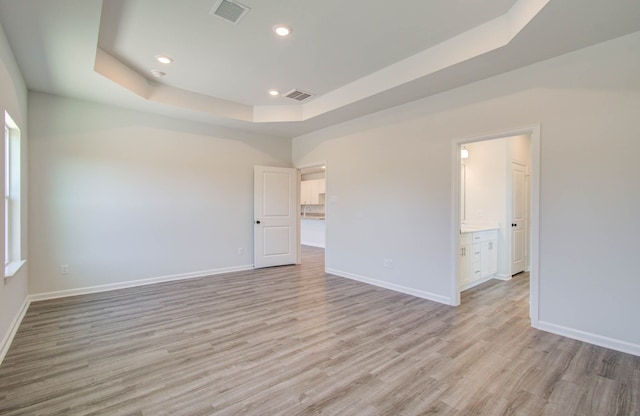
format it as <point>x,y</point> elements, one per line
<point>13,99</point>
<point>121,196</point>
<point>520,149</point>
<point>392,191</point>
<point>486,193</point>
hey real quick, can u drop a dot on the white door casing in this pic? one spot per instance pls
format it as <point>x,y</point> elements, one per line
<point>518,225</point>
<point>275,207</point>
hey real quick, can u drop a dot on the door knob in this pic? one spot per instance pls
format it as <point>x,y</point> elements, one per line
<point>258,222</point>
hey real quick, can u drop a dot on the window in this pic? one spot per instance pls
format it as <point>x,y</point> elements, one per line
<point>12,228</point>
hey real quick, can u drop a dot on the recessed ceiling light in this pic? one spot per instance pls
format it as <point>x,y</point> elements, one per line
<point>164,59</point>
<point>282,30</point>
<point>274,93</point>
<point>157,74</point>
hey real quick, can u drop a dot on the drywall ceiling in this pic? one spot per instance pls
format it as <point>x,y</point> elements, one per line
<point>334,42</point>
<point>356,57</point>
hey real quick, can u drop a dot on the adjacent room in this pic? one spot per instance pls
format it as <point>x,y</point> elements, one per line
<point>222,207</point>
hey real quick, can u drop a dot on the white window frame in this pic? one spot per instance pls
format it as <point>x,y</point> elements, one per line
<point>12,224</point>
<point>7,196</point>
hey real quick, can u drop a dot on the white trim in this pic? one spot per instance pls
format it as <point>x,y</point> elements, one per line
<point>533,131</point>
<point>13,328</point>
<point>503,277</point>
<point>134,283</point>
<point>11,268</point>
<point>595,339</point>
<point>456,218</point>
<point>396,288</point>
<point>312,165</point>
<point>534,225</point>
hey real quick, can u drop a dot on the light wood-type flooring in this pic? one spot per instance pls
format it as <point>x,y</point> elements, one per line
<point>295,341</point>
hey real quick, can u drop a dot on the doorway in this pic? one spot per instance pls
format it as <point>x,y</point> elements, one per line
<point>497,209</point>
<point>312,213</point>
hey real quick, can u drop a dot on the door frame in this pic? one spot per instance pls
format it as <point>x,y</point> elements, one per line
<point>326,207</point>
<point>533,131</point>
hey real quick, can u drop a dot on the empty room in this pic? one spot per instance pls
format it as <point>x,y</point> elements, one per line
<point>221,207</point>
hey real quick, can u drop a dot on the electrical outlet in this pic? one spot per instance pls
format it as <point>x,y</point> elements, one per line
<point>240,251</point>
<point>387,263</point>
<point>64,269</point>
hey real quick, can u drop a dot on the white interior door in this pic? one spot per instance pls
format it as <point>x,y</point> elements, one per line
<point>275,207</point>
<point>518,228</point>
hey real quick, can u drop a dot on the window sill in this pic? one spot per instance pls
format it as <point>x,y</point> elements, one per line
<point>12,268</point>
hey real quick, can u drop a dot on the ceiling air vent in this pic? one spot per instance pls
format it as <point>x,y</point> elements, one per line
<point>229,10</point>
<point>298,95</point>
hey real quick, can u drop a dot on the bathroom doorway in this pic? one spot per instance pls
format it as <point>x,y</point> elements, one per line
<point>496,209</point>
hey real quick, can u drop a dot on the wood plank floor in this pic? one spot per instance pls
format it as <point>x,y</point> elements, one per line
<point>294,341</point>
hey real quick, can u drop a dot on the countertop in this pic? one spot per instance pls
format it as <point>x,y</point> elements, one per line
<point>475,228</point>
<point>312,217</point>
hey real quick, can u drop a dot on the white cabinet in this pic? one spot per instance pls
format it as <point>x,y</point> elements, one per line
<point>465,259</point>
<point>489,262</point>
<point>312,232</point>
<point>312,192</point>
<point>478,257</point>
<point>305,192</point>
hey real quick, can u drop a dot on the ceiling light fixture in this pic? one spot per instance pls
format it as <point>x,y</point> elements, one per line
<point>157,74</point>
<point>164,59</point>
<point>464,153</point>
<point>274,93</point>
<point>282,30</point>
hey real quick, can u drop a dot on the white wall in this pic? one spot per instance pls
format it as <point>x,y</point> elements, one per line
<point>391,186</point>
<point>13,99</point>
<point>486,181</point>
<point>121,196</point>
<point>520,149</point>
<point>486,193</point>
<point>311,176</point>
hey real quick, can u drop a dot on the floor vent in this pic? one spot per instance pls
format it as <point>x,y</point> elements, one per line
<point>298,95</point>
<point>229,10</point>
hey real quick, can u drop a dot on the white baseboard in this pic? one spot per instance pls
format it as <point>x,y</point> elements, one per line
<point>392,286</point>
<point>595,339</point>
<point>504,277</point>
<point>312,244</point>
<point>134,283</point>
<point>13,329</point>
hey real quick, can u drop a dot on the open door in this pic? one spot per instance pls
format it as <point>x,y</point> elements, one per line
<point>275,208</point>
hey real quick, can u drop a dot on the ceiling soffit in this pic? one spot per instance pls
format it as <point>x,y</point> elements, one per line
<point>469,44</point>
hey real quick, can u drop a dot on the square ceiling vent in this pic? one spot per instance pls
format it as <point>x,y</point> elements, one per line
<point>298,95</point>
<point>230,11</point>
